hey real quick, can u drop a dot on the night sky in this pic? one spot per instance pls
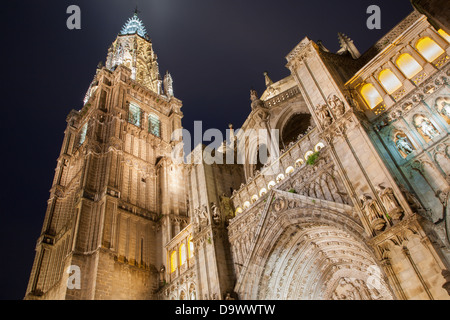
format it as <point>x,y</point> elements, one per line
<point>215,50</point>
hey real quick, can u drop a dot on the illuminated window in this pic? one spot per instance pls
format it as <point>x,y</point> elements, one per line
<point>444,35</point>
<point>280,177</point>
<point>271,184</point>
<point>247,204</point>
<point>262,192</point>
<point>191,248</point>
<point>308,154</point>
<point>134,115</point>
<point>319,146</point>
<point>239,211</point>
<point>408,65</point>
<point>83,133</point>
<point>254,198</point>
<point>290,170</point>
<point>173,262</point>
<point>429,49</point>
<point>299,162</point>
<point>371,95</point>
<point>389,81</point>
<point>154,125</point>
<point>183,256</point>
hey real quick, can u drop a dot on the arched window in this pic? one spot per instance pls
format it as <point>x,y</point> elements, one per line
<point>134,115</point>
<point>429,49</point>
<point>154,125</point>
<point>444,35</point>
<point>254,198</point>
<point>247,204</point>
<point>262,192</point>
<point>290,170</point>
<point>280,177</point>
<point>173,262</point>
<point>239,211</point>
<point>408,65</point>
<point>319,147</point>
<point>191,248</point>
<point>271,185</point>
<point>371,96</point>
<point>299,162</point>
<point>183,256</point>
<point>389,81</point>
<point>308,154</point>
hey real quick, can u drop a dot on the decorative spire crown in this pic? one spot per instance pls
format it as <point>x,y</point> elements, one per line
<point>134,25</point>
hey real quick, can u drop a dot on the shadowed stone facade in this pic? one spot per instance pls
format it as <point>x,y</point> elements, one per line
<point>352,205</point>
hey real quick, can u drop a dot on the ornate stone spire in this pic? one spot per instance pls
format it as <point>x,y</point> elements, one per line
<point>134,25</point>
<point>133,49</point>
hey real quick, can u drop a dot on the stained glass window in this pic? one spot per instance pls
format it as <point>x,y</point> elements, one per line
<point>154,125</point>
<point>134,115</point>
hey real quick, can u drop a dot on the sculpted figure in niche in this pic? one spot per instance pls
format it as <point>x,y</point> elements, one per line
<point>323,115</point>
<point>390,202</point>
<point>215,214</point>
<point>203,215</point>
<point>371,210</point>
<point>337,105</point>
<point>428,129</point>
<point>403,145</point>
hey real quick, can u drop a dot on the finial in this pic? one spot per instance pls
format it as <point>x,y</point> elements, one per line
<point>269,81</point>
<point>136,11</point>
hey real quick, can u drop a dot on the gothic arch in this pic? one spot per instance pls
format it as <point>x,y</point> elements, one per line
<point>298,256</point>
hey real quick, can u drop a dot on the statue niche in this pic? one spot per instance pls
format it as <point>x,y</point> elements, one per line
<point>390,202</point>
<point>403,144</point>
<point>426,129</point>
<point>443,107</point>
<point>372,212</point>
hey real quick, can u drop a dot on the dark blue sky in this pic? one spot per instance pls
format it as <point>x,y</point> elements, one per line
<point>215,50</point>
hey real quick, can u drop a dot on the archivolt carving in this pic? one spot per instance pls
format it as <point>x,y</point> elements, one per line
<point>296,246</point>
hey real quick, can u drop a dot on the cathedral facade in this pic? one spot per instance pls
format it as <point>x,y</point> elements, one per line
<point>353,203</point>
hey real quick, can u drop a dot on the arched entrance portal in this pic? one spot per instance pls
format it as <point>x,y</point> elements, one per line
<point>312,253</point>
<point>321,262</point>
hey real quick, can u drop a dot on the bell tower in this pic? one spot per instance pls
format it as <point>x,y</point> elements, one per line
<point>116,197</point>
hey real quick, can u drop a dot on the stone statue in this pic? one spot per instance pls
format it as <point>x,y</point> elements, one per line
<point>370,208</point>
<point>323,115</point>
<point>216,213</point>
<point>445,111</point>
<point>203,215</point>
<point>256,102</point>
<point>428,129</point>
<point>390,202</point>
<point>162,274</point>
<point>403,145</point>
<point>337,105</point>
